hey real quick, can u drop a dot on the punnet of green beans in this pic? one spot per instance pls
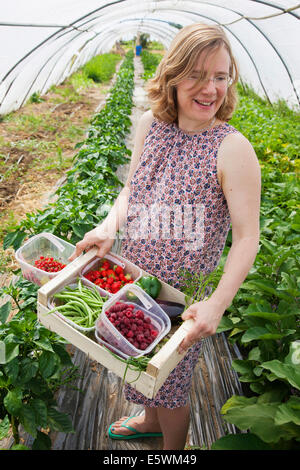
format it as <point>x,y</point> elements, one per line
<point>81,305</point>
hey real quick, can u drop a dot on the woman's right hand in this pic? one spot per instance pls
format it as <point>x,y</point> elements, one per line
<point>97,237</point>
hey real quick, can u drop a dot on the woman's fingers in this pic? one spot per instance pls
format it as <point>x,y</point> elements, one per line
<point>80,247</point>
<point>83,245</point>
<point>190,339</point>
<point>189,313</point>
<point>103,245</point>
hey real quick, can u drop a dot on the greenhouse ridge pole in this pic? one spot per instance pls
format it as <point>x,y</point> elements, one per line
<point>284,10</point>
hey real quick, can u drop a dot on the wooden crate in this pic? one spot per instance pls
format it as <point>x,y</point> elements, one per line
<point>159,367</point>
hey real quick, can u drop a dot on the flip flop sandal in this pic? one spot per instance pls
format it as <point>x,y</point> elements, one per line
<point>136,434</point>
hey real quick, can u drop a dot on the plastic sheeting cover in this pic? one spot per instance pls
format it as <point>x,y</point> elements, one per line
<point>41,43</point>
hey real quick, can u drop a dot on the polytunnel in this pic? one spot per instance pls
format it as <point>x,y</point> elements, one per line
<point>43,44</point>
<point>65,148</point>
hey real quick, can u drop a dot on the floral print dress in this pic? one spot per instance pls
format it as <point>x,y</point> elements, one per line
<point>177,219</point>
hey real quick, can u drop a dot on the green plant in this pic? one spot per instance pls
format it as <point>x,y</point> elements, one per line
<point>101,68</point>
<point>92,182</point>
<point>33,364</point>
<point>264,316</point>
<point>144,40</point>
<point>150,62</point>
<point>33,361</point>
<point>36,98</point>
<point>156,45</point>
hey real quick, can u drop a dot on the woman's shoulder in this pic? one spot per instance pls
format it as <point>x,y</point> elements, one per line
<point>235,146</point>
<point>146,119</point>
<point>234,136</point>
<point>144,125</point>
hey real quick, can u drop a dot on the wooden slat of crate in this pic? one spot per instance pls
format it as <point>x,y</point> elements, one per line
<point>158,367</point>
<point>95,351</point>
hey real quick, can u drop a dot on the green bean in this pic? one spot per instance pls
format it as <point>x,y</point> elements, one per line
<point>81,304</point>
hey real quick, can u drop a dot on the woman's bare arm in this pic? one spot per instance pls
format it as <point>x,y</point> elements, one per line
<point>241,183</point>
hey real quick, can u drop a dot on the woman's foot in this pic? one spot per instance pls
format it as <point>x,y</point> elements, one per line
<point>137,422</point>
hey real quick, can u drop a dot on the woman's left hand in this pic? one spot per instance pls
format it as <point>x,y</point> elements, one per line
<point>206,315</point>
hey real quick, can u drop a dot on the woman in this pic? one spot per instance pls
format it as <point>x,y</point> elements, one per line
<point>186,157</point>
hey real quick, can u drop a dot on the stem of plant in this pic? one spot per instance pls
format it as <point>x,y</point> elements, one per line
<point>15,429</point>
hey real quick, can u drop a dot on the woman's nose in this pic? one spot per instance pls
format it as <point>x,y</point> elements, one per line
<point>208,84</point>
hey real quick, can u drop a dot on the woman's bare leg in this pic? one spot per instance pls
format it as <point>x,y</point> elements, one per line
<point>174,424</point>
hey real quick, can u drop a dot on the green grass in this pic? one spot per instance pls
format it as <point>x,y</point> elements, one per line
<point>101,68</point>
<point>31,122</point>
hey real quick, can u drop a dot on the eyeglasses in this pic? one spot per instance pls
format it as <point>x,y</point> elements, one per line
<point>220,81</point>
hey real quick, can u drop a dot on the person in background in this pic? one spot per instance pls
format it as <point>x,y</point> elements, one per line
<point>186,155</point>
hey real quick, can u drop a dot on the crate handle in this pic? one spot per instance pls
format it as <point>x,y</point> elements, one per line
<point>148,305</point>
<point>115,260</point>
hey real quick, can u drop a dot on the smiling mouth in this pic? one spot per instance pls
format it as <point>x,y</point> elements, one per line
<point>203,103</point>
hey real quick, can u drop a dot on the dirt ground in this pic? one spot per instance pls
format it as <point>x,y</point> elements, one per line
<point>24,189</point>
<point>37,144</point>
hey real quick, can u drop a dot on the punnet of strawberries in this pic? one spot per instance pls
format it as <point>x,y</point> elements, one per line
<point>133,324</point>
<point>108,277</point>
<point>49,264</point>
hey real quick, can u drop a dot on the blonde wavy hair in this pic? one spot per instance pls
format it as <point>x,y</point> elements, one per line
<point>178,63</point>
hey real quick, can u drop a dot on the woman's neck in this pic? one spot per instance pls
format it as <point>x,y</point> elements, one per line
<point>193,128</point>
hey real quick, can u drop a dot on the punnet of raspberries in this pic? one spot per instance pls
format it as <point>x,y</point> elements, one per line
<point>133,324</point>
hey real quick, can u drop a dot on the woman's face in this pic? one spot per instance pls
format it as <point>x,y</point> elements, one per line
<point>198,103</point>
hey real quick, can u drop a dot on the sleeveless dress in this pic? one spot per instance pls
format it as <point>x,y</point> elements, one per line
<point>177,219</point>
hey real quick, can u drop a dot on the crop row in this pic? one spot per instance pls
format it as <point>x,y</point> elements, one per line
<point>150,62</point>
<point>92,184</point>
<point>33,360</point>
<point>264,316</point>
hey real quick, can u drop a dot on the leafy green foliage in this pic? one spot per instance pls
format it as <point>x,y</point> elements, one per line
<point>101,67</point>
<point>33,364</point>
<point>92,183</point>
<point>150,62</point>
<point>33,361</point>
<point>264,316</point>
<point>247,441</point>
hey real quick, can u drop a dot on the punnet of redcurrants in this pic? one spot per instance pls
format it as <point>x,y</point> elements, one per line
<point>49,264</point>
<point>133,324</point>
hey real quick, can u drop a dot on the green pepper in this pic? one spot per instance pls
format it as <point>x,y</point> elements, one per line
<point>150,284</point>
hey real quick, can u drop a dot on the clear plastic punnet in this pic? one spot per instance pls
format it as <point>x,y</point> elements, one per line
<point>108,335</point>
<point>47,245</point>
<point>73,285</point>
